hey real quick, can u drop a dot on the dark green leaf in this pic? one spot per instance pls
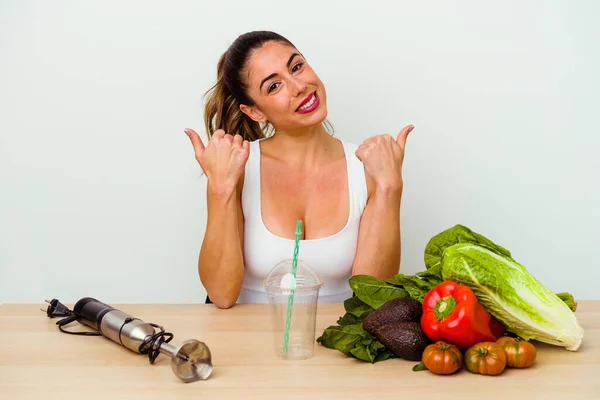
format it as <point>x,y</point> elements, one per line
<point>348,319</point>
<point>361,313</point>
<point>352,303</point>
<point>373,291</point>
<point>362,352</point>
<point>376,347</point>
<point>357,307</point>
<point>342,338</point>
<point>416,288</point>
<point>433,275</point>
<point>384,355</point>
<point>370,349</point>
<point>356,311</point>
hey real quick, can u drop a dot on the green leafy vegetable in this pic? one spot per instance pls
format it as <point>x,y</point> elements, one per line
<point>356,311</point>
<point>353,341</point>
<point>342,338</point>
<point>369,349</point>
<point>416,287</point>
<point>457,234</point>
<point>512,295</point>
<point>357,307</point>
<point>373,291</point>
<point>433,275</point>
<point>348,319</point>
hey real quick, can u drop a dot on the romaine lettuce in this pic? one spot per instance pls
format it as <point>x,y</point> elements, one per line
<point>512,295</point>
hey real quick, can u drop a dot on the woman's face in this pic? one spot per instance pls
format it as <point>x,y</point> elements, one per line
<point>285,89</point>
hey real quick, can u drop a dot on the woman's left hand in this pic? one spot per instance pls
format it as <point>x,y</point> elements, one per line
<point>382,157</point>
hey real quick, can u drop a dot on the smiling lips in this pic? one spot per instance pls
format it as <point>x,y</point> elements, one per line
<point>309,104</point>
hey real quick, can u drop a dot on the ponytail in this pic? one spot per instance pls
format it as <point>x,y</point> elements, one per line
<point>222,111</point>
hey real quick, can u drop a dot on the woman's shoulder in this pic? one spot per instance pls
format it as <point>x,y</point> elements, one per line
<point>348,143</point>
<point>350,148</point>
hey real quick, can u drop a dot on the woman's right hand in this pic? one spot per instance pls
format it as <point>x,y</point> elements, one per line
<point>223,160</point>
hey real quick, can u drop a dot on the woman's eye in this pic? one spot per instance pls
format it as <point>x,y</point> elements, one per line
<point>297,67</point>
<point>273,86</point>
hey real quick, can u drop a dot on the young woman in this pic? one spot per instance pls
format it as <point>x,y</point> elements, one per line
<point>271,161</point>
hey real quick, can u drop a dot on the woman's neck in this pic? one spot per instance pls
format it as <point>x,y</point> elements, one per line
<point>306,148</point>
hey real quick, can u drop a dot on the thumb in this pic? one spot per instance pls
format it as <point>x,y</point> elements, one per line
<point>401,139</point>
<point>358,153</point>
<point>196,141</point>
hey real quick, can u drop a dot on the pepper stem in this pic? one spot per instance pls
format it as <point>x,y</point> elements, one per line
<point>444,307</point>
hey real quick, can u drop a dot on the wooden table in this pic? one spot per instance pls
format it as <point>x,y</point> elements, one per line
<point>39,362</point>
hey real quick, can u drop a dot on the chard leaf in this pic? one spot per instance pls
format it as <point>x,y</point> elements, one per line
<point>433,275</point>
<point>354,341</point>
<point>356,311</point>
<point>343,338</point>
<point>371,350</point>
<point>384,354</point>
<point>373,291</point>
<point>362,351</point>
<point>357,307</point>
<point>416,287</point>
<point>348,319</point>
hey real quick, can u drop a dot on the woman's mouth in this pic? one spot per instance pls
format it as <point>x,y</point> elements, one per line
<point>309,104</point>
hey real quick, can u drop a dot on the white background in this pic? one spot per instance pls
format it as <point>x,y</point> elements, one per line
<point>100,194</point>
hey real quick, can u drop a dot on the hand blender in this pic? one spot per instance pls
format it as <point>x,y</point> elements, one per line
<point>190,361</point>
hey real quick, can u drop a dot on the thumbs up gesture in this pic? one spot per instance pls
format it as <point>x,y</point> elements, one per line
<point>223,159</point>
<point>383,156</point>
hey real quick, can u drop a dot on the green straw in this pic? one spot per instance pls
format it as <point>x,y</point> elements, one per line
<point>288,319</point>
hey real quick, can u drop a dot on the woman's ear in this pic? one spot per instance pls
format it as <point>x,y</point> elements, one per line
<point>254,113</point>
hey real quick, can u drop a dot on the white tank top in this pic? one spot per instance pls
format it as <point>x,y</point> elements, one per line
<point>330,257</point>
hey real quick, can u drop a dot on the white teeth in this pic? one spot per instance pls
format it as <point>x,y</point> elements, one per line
<point>310,103</point>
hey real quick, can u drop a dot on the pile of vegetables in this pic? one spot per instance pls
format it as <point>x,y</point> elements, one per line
<point>501,307</point>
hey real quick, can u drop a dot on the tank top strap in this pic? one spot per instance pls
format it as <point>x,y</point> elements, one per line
<point>250,191</point>
<point>357,181</point>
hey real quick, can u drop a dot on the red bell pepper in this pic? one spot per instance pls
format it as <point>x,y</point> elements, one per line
<point>452,313</point>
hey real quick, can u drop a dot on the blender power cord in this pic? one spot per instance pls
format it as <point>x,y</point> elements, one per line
<point>57,309</point>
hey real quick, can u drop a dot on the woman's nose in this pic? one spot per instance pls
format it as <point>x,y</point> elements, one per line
<point>298,86</point>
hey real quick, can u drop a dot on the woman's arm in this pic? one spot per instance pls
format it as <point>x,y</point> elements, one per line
<point>221,260</point>
<point>379,247</point>
<point>378,250</point>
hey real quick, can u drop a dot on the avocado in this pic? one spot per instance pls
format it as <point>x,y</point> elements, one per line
<point>405,339</point>
<point>402,309</point>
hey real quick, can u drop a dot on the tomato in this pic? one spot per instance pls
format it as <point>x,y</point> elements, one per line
<point>442,358</point>
<point>486,358</point>
<point>519,353</point>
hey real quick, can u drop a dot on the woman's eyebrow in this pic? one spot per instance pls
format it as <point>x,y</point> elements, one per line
<point>266,79</point>
<point>275,74</point>
<point>292,59</point>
